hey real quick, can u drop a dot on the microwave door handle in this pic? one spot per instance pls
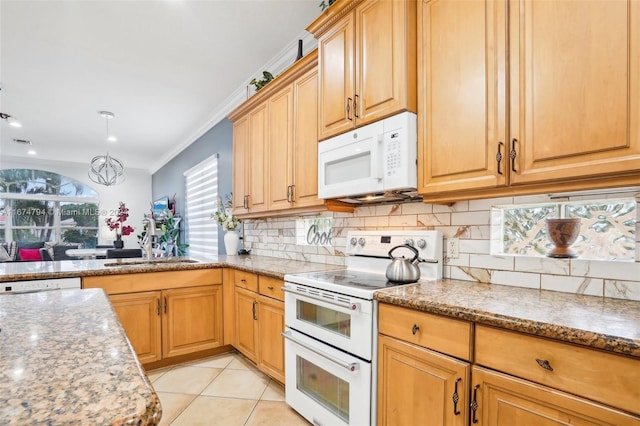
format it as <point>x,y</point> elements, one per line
<point>377,166</point>
<point>351,366</point>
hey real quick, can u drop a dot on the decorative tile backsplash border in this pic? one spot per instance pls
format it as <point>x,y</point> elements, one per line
<point>470,222</point>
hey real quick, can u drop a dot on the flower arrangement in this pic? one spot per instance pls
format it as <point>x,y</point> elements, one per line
<point>116,224</point>
<point>224,214</point>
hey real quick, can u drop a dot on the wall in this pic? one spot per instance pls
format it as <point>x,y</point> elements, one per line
<point>135,192</point>
<point>169,180</point>
<point>468,220</point>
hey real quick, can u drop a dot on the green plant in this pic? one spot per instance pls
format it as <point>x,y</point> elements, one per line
<point>169,237</point>
<point>325,4</point>
<point>259,84</point>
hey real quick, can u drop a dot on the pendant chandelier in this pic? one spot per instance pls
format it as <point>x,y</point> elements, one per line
<point>105,169</point>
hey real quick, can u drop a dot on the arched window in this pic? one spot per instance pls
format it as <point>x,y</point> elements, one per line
<point>36,205</point>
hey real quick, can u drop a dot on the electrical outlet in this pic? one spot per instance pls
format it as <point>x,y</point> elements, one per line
<point>453,248</point>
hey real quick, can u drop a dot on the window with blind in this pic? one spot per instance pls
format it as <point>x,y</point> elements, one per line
<point>201,193</point>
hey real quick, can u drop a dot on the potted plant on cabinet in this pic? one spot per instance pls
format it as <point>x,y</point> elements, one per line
<point>117,225</point>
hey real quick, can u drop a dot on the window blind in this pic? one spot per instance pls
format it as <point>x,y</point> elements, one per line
<point>201,194</point>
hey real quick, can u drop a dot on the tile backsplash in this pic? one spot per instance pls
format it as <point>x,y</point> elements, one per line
<point>470,222</point>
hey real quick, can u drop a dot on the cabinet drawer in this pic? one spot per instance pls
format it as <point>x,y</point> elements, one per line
<point>447,335</point>
<point>245,280</point>
<point>271,287</point>
<point>605,377</point>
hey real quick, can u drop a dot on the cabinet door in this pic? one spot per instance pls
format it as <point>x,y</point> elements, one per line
<point>258,158</point>
<point>506,400</point>
<point>337,73</point>
<point>305,131</point>
<point>139,314</point>
<point>575,89</point>
<point>419,386</point>
<point>240,164</point>
<point>280,149</point>
<point>271,326</point>
<point>462,129</point>
<point>192,319</point>
<point>385,59</point>
<point>246,323</point>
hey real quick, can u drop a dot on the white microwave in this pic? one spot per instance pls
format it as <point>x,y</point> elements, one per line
<point>371,163</point>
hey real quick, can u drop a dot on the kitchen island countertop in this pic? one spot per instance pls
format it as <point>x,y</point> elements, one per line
<point>65,359</point>
<point>596,322</point>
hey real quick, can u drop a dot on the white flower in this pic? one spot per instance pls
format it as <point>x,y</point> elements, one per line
<point>224,214</point>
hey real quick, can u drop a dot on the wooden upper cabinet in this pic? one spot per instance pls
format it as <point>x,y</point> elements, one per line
<point>305,131</point>
<point>258,146</point>
<point>280,148</point>
<point>462,127</point>
<point>366,61</point>
<point>241,165</point>
<point>575,89</point>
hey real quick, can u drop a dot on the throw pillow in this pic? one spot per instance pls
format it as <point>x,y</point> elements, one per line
<point>29,245</point>
<point>30,254</point>
<point>11,249</point>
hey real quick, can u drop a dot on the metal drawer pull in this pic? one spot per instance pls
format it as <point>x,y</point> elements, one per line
<point>499,156</point>
<point>544,364</point>
<point>415,329</point>
<point>474,404</point>
<point>351,366</point>
<point>513,154</point>
<point>270,287</point>
<point>456,398</point>
<point>350,306</point>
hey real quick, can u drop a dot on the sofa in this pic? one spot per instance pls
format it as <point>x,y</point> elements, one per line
<point>30,251</point>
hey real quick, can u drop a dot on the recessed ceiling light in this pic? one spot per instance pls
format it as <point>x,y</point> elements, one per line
<point>112,138</point>
<point>31,152</point>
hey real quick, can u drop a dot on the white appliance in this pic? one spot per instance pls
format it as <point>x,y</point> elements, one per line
<point>332,326</point>
<point>373,163</point>
<point>33,286</point>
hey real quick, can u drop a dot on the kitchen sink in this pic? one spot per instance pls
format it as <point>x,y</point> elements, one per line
<point>144,262</point>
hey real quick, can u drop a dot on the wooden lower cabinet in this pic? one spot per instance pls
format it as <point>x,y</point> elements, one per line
<point>139,314</point>
<point>270,328</point>
<point>420,386</point>
<point>259,322</point>
<point>504,400</point>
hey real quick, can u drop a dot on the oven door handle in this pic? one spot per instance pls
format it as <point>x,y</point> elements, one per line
<point>352,306</point>
<point>351,366</point>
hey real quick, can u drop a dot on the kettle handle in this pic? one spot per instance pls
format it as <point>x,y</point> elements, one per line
<point>415,252</point>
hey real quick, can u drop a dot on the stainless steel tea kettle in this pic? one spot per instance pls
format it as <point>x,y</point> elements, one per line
<point>402,270</point>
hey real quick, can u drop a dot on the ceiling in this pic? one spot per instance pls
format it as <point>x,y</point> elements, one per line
<point>165,68</point>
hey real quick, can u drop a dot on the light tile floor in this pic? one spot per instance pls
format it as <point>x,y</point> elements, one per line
<point>226,389</point>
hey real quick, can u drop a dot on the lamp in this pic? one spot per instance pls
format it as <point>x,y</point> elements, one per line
<point>105,169</point>
<point>10,120</point>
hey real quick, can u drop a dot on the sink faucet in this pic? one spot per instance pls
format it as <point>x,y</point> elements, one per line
<point>147,241</point>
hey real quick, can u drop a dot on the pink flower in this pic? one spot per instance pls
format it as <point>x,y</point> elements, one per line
<point>122,216</point>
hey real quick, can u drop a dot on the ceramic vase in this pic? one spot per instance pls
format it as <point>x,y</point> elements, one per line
<point>562,233</point>
<point>231,239</point>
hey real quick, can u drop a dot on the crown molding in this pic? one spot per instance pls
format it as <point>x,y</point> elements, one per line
<point>283,60</point>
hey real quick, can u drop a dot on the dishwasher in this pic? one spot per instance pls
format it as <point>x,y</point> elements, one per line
<point>33,286</point>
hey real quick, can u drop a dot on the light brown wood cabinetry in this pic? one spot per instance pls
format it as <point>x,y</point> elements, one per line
<point>507,400</point>
<point>259,320</point>
<point>515,101</point>
<point>417,385</point>
<point>275,145</point>
<point>166,314</point>
<point>366,62</point>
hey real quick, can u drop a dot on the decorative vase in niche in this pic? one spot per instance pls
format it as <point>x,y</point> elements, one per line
<point>118,244</point>
<point>231,239</point>
<point>562,233</point>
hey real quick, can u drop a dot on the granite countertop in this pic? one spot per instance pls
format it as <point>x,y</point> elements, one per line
<point>65,359</point>
<point>603,323</point>
<point>270,266</point>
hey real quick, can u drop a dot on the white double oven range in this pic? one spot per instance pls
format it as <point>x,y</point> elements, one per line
<point>332,325</point>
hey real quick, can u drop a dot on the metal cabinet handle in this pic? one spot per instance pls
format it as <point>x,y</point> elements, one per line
<point>513,154</point>
<point>270,287</point>
<point>544,364</point>
<point>245,202</point>
<point>456,397</point>
<point>474,404</point>
<point>355,106</point>
<point>253,310</point>
<point>158,307</point>
<point>414,329</point>
<point>293,193</point>
<point>165,305</point>
<point>499,156</point>
<point>349,109</point>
